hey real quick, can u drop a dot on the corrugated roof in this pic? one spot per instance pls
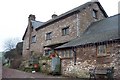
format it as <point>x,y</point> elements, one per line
<point>77,9</point>
<point>103,30</point>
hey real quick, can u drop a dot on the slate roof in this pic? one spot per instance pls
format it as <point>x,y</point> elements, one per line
<point>75,10</point>
<point>100,31</point>
<point>36,24</point>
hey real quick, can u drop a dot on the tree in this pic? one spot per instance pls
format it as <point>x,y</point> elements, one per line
<point>10,44</point>
<point>13,52</point>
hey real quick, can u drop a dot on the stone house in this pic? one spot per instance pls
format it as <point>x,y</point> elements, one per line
<point>98,46</point>
<point>42,37</point>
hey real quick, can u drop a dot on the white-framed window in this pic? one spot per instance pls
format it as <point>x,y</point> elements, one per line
<point>49,36</point>
<point>34,39</point>
<point>101,50</point>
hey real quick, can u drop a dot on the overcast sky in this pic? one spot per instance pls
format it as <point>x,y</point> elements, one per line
<point>14,13</point>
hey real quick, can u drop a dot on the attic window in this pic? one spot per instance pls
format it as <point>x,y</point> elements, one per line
<point>94,14</point>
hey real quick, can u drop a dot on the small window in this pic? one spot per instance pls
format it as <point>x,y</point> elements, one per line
<point>31,53</point>
<point>49,36</point>
<point>47,52</point>
<point>94,14</point>
<point>70,53</point>
<point>66,54</point>
<point>65,31</point>
<point>101,50</point>
<point>62,53</point>
<point>33,39</point>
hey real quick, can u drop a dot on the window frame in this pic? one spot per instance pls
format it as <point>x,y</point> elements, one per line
<point>70,53</point>
<point>34,39</point>
<point>102,52</point>
<point>47,52</point>
<point>66,53</point>
<point>65,31</point>
<point>48,36</point>
<point>95,14</point>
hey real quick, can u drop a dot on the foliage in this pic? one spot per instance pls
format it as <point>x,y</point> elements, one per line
<point>12,48</point>
<point>45,58</point>
<point>10,44</point>
<point>10,54</point>
<point>14,55</point>
<point>7,64</point>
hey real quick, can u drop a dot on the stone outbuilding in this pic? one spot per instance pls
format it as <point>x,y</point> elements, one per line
<point>98,46</point>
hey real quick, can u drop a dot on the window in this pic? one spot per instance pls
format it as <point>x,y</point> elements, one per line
<point>94,14</point>
<point>47,52</point>
<point>33,39</point>
<point>66,54</point>
<point>49,36</point>
<point>62,53</point>
<point>70,53</point>
<point>65,31</point>
<point>101,50</point>
<point>32,53</point>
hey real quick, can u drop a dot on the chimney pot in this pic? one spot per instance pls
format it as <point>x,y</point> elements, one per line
<point>54,16</point>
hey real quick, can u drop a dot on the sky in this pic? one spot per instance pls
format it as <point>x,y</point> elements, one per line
<point>14,14</point>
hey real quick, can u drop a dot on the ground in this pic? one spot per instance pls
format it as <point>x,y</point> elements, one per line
<point>13,73</point>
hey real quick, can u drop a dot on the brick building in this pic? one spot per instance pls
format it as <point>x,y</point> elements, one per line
<point>42,37</point>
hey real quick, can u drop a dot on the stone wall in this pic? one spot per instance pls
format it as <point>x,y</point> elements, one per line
<point>87,58</point>
<point>77,22</point>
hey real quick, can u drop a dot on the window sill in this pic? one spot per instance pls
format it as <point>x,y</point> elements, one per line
<point>67,58</point>
<point>103,55</point>
<point>48,39</point>
<point>33,42</point>
<point>65,35</point>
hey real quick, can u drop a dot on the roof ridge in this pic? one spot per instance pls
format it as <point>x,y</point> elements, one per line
<point>114,15</point>
<point>36,21</point>
<point>79,8</point>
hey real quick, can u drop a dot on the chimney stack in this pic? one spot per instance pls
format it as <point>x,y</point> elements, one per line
<point>54,16</point>
<point>31,17</point>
